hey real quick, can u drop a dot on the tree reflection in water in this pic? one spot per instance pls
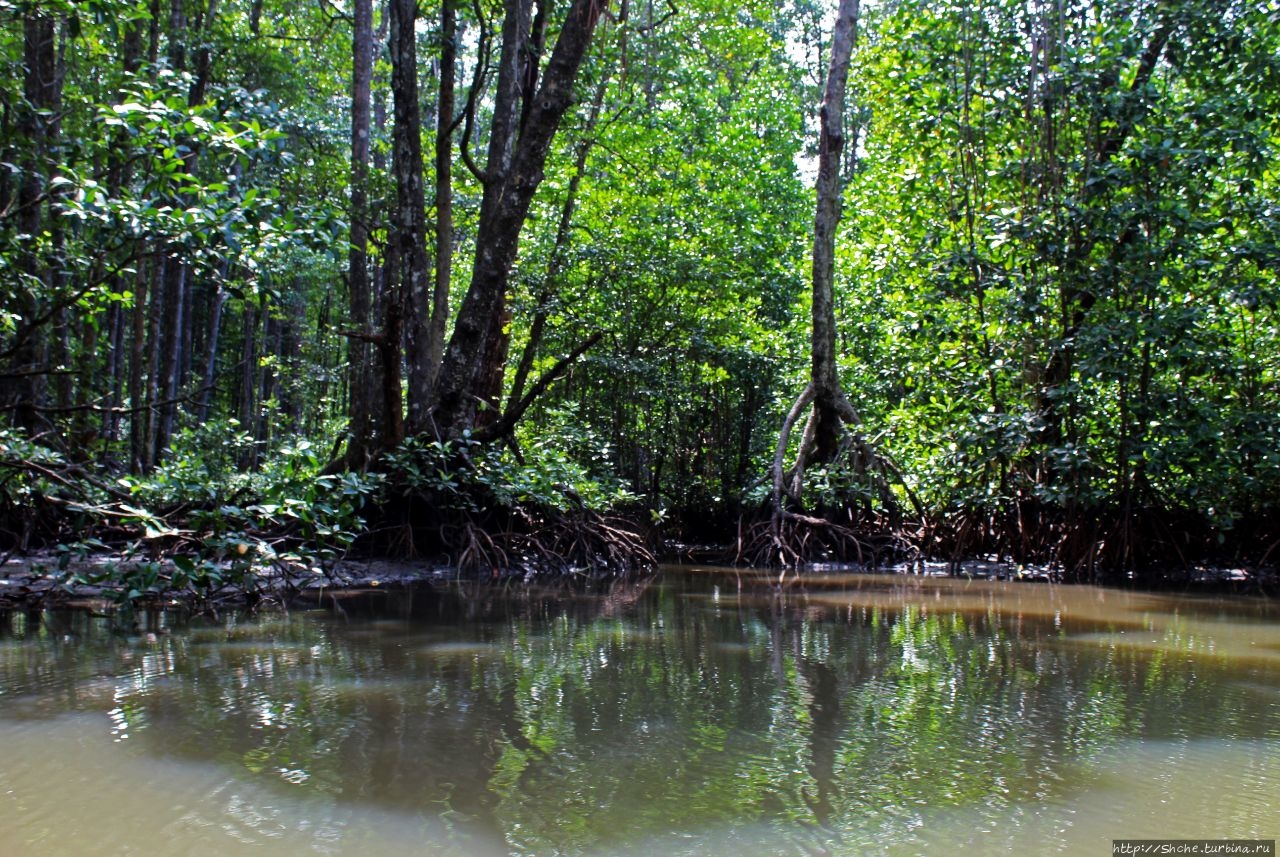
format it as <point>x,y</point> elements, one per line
<point>662,718</point>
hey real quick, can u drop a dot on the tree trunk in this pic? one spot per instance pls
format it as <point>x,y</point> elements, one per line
<point>824,433</point>
<point>502,217</point>
<point>508,118</point>
<point>555,265</point>
<point>444,190</point>
<point>209,378</point>
<point>247,409</point>
<point>829,404</point>
<point>360,377</point>
<point>174,284</point>
<point>40,88</point>
<point>155,338</point>
<point>410,233</point>
<point>138,458</point>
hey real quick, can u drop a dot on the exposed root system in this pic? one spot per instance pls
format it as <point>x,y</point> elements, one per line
<point>526,541</point>
<point>790,540</point>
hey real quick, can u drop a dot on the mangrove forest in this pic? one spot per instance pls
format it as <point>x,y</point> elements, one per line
<point>523,287</point>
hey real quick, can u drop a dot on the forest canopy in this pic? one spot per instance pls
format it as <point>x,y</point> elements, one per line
<point>376,271</point>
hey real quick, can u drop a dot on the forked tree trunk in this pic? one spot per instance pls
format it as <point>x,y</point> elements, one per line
<point>831,409</point>
<point>502,217</point>
<point>504,130</point>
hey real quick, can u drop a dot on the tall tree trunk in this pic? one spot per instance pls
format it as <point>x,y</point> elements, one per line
<point>502,217</point>
<point>247,409</point>
<point>360,377</point>
<point>174,285</point>
<point>555,265</point>
<point>155,340</point>
<point>824,434</point>
<point>209,378</point>
<point>138,457</point>
<point>410,234</point>
<point>58,275</point>
<point>514,85</point>
<point>829,404</point>
<point>444,190</point>
<point>40,88</point>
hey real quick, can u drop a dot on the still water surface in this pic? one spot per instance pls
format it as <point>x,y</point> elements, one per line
<point>702,713</point>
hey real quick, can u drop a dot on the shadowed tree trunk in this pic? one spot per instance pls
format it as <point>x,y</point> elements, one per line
<point>444,190</point>
<point>40,88</point>
<point>508,194</point>
<point>410,291</point>
<point>504,130</point>
<point>559,249</point>
<point>362,406</point>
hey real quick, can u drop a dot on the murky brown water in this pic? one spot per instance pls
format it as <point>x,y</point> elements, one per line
<point>703,714</point>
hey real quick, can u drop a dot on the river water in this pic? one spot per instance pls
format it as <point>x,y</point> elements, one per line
<point>703,713</point>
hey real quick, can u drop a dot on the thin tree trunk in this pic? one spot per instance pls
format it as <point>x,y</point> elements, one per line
<point>155,339</point>
<point>211,352</point>
<point>60,350</point>
<point>247,410</point>
<point>444,191</point>
<point>825,378</point>
<point>824,430</point>
<point>174,284</point>
<point>115,374</point>
<point>560,248</point>
<point>138,456</point>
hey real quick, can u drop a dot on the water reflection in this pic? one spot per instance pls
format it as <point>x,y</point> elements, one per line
<point>708,713</point>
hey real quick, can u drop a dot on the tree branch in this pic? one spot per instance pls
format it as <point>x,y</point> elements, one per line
<point>514,412</point>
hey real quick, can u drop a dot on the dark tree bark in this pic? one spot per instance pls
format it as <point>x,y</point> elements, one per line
<point>516,81</point>
<point>410,232</point>
<point>210,372</point>
<point>830,408</point>
<point>361,378</point>
<point>503,213</point>
<point>555,265</point>
<point>139,459</point>
<point>247,409</point>
<point>155,340</point>
<point>174,285</point>
<point>444,189</point>
<point>40,88</point>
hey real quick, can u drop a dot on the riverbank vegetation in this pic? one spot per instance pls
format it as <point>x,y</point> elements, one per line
<point>520,285</point>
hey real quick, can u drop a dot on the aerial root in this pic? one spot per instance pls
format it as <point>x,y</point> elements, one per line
<point>788,540</point>
<point>539,542</point>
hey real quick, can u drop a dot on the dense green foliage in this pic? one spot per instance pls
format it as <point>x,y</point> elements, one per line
<point>1057,278</point>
